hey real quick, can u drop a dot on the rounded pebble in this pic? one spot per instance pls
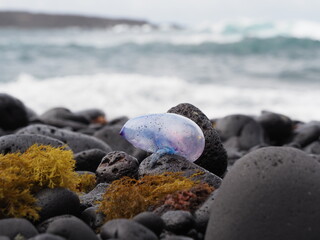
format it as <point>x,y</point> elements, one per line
<point>57,201</point>
<point>89,160</point>
<point>47,236</point>
<point>270,193</point>
<point>178,221</point>
<point>14,227</point>
<point>151,221</point>
<point>126,229</point>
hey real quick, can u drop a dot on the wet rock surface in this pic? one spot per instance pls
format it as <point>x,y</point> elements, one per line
<point>214,157</point>
<point>151,221</point>
<point>90,199</point>
<point>178,221</point>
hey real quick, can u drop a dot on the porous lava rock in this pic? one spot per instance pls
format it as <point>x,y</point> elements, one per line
<point>214,156</point>
<point>269,194</point>
<point>115,165</point>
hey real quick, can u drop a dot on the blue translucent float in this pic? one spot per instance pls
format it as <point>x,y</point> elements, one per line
<point>166,133</point>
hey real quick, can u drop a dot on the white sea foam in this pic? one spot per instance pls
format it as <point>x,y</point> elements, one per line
<point>133,95</point>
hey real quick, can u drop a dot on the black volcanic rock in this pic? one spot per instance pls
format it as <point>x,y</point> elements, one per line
<point>17,227</point>
<point>214,156</point>
<point>21,142</point>
<point>78,142</point>
<point>40,20</point>
<point>13,112</point>
<point>269,194</point>
<point>278,128</point>
<point>175,163</point>
<point>116,165</point>
<point>89,160</point>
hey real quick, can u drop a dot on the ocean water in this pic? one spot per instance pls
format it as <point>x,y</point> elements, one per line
<point>222,68</point>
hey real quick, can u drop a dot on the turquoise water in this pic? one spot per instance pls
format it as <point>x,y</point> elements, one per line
<point>273,67</point>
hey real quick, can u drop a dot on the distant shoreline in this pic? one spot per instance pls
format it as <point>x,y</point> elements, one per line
<point>28,20</point>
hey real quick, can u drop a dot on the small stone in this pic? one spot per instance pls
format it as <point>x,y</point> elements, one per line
<point>178,221</point>
<point>270,193</point>
<point>71,229</point>
<point>13,113</point>
<point>110,135</point>
<point>245,128</point>
<point>14,227</point>
<point>21,142</point>
<point>43,226</point>
<point>175,163</point>
<point>89,160</point>
<point>151,221</point>
<point>47,236</point>
<point>63,117</point>
<point>277,128</point>
<point>92,217</point>
<point>313,148</point>
<point>214,156</point>
<point>305,134</point>
<point>126,229</point>
<point>90,199</point>
<point>57,201</point>
<point>78,142</point>
<point>115,165</point>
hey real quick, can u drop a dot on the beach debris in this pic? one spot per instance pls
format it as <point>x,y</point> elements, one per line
<point>165,133</point>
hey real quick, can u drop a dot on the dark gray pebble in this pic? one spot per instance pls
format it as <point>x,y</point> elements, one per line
<point>176,237</point>
<point>174,163</point>
<point>42,227</point>
<point>178,221</point>
<point>269,194</point>
<point>89,160</point>
<point>92,115</point>
<point>12,227</point>
<point>20,143</point>
<point>57,201</point>
<point>78,142</point>
<point>126,229</point>
<point>248,131</point>
<point>47,236</point>
<point>214,156</point>
<point>92,217</point>
<point>13,113</point>
<point>277,128</point>
<point>71,229</point>
<point>90,199</point>
<point>151,221</point>
<point>111,136</point>
<point>115,165</point>
<point>4,238</point>
<point>63,117</point>
<point>313,148</point>
<point>305,134</point>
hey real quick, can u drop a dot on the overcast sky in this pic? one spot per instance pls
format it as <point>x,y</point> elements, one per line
<point>179,11</point>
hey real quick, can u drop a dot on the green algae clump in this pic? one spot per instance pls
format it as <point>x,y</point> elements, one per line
<point>24,174</point>
<point>127,197</point>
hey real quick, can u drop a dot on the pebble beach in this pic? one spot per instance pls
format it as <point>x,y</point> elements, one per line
<point>70,175</point>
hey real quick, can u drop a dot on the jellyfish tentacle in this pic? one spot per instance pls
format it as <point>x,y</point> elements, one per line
<point>158,154</point>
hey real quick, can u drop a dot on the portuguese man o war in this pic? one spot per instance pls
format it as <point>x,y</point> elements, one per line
<point>165,133</point>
